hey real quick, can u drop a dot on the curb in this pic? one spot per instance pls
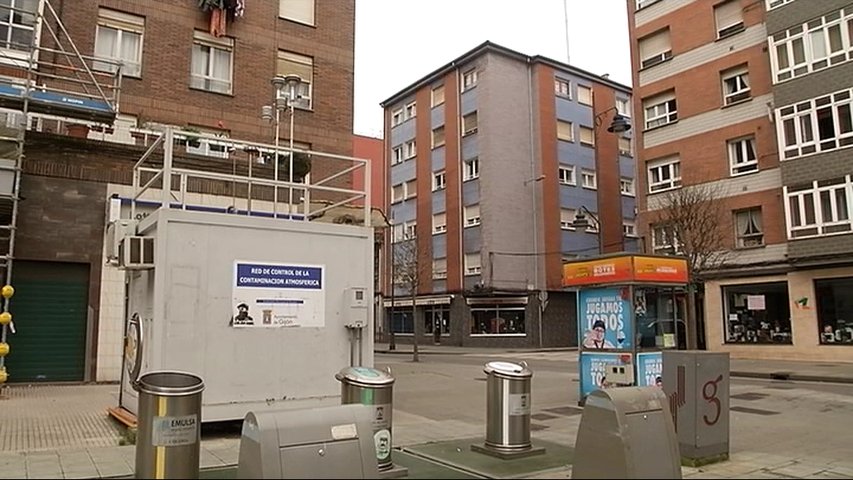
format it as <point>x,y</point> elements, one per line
<point>791,376</point>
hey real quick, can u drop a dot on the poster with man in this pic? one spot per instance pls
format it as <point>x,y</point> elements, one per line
<point>593,370</point>
<point>604,319</point>
<point>278,295</point>
<point>649,369</point>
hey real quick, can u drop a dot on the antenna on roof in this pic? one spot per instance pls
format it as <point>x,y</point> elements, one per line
<point>566,21</point>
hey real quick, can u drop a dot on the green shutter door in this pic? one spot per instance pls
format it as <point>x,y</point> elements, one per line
<point>49,310</point>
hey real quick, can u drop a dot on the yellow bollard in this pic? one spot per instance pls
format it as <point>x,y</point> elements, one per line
<point>5,318</point>
<point>3,375</point>
<point>7,291</point>
<point>4,349</point>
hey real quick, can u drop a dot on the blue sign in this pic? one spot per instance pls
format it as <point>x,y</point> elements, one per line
<point>593,370</point>
<point>649,369</point>
<point>279,276</point>
<point>604,319</point>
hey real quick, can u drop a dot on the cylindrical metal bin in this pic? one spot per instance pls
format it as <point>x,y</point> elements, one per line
<point>508,405</point>
<point>169,425</point>
<point>369,386</point>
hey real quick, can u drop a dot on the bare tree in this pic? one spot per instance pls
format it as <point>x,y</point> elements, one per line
<point>692,221</point>
<point>408,272</point>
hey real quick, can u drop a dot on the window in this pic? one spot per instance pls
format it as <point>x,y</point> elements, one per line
<point>562,88</point>
<point>623,107</point>
<point>816,125</point>
<point>118,38</point>
<point>629,228</point>
<point>819,208</point>
<point>211,148</point>
<point>567,175</point>
<point>664,240</point>
<point>439,271</point>
<point>301,11</point>
<point>402,320</point>
<point>17,29</point>
<point>438,137</point>
<point>396,117</point>
<point>729,17</point>
<point>587,136</point>
<point>439,180</point>
<point>439,223</point>
<point>645,3</point>
<point>660,110</point>
<point>757,313</point>
<point>411,149</point>
<point>437,97</point>
<point>472,169</point>
<point>664,174</point>
<point>497,320</point>
<point>472,215</point>
<point>567,218</point>
<point>625,146</point>
<point>469,124</point>
<point>411,230</point>
<point>834,310</point>
<point>823,42</point>
<point>411,188</point>
<point>437,316</point>
<point>211,63</point>
<point>735,86</point>
<point>742,158</point>
<point>771,4</point>
<point>472,264</point>
<point>588,179</point>
<point>290,63</point>
<point>411,110</point>
<point>584,95</point>
<point>397,155</point>
<point>565,131</point>
<point>469,79</point>
<point>398,193</point>
<point>748,227</point>
<point>626,186</point>
<point>655,49</point>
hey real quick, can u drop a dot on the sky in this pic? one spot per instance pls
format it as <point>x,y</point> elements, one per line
<point>397,42</point>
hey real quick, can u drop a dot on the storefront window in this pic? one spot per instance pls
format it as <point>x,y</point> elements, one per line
<point>401,320</point>
<point>834,299</point>
<point>660,315</point>
<point>758,313</point>
<point>497,320</point>
<point>437,316</point>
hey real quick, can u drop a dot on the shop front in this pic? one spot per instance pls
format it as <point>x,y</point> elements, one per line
<point>800,315</point>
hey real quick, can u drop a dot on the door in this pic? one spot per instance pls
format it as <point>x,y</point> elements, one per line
<point>49,310</point>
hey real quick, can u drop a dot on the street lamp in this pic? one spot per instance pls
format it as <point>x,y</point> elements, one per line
<point>283,100</point>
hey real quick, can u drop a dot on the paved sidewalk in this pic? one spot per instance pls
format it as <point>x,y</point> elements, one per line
<point>770,369</point>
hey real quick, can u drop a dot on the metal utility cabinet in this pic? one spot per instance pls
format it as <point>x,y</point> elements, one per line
<point>265,306</point>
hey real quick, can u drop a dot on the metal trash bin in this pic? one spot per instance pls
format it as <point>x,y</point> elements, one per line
<point>169,425</point>
<point>369,386</point>
<point>508,405</point>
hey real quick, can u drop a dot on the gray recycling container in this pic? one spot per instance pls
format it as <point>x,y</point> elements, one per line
<point>169,425</point>
<point>508,405</point>
<point>369,386</point>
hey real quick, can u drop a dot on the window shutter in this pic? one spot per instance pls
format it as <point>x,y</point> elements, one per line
<point>728,14</point>
<point>299,10</point>
<point>655,45</point>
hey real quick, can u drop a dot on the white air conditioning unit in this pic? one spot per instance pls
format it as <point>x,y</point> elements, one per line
<point>116,232</point>
<point>136,253</point>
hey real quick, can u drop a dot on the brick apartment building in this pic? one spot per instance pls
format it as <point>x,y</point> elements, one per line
<point>747,104</point>
<point>180,68</point>
<point>491,156</point>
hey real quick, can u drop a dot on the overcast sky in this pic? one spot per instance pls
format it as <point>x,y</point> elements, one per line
<point>400,41</point>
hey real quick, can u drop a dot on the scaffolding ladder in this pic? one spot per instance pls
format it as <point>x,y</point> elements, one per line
<point>42,76</point>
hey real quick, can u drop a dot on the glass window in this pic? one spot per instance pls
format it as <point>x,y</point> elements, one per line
<point>564,131</point>
<point>18,26</point>
<point>211,63</point>
<point>438,95</point>
<point>757,313</point>
<point>469,124</point>
<point>584,95</point>
<point>438,137</point>
<point>587,136</point>
<point>290,63</point>
<point>436,316</point>
<point>567,174</point>
<point>660,314</point>
<point>749,231</point>
<point>118,39</point>
<point>469,79</point>
<point>834,298</point>
<point>439,180</point>
<point>588,179</point>
<point>655,48</point>
<point>472,169</point>
<point>562,88</point>
<point>401,320</point>
<point>497,320</point>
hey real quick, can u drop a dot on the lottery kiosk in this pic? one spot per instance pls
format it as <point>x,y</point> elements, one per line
<point>630,308</point>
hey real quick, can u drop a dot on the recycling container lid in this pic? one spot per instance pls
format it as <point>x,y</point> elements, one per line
<point>508,369</point>
<point>364,376</point>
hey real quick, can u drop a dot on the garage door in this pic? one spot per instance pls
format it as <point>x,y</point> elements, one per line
<point>49,309</point>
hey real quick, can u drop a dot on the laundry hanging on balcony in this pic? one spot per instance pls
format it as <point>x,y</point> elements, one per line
<point>221,12</point>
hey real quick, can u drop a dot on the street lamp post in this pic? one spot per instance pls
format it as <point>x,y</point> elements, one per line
<point>283,101</point>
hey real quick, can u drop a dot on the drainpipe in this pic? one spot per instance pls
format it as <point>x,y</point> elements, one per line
<point>533,174</point>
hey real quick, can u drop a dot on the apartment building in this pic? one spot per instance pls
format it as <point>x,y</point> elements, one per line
<point>732,94</point>
<point>184,65</point>
<point>491,158</point>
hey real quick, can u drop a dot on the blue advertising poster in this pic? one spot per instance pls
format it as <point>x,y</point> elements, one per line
<point>593,368</point>
<point>604,318</point>
<point>649,369</point>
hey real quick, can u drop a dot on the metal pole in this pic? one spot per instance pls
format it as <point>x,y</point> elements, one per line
<point>168,150</point>
<point>275,167</point>
<point>290,166</point>
<point>392,344</point>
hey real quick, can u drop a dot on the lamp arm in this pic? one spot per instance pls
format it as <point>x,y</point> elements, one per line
<point>598,117</point>
<point>591,215</point>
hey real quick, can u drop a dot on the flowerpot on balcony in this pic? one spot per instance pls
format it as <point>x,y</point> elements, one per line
<point>77,130</point>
